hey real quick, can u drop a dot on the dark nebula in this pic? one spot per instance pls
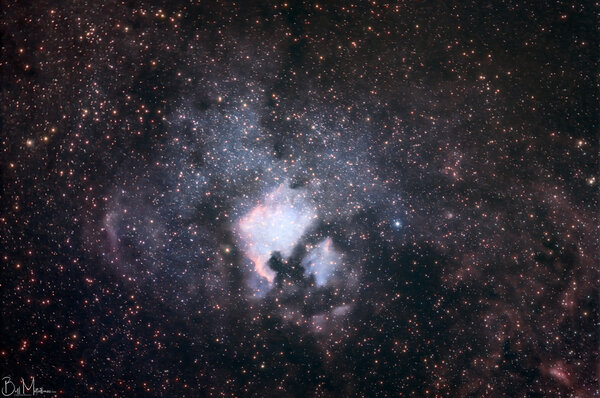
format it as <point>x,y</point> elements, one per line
<point>300,199</point>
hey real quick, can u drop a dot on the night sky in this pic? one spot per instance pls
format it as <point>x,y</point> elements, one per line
<point>300,199</point>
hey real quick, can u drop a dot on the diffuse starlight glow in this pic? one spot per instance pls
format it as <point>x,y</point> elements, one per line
<point>446,155</point>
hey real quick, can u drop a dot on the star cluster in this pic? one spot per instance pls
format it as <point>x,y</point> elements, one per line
<point>300,198</point>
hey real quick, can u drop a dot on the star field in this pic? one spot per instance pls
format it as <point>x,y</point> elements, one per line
<point>295,199</point>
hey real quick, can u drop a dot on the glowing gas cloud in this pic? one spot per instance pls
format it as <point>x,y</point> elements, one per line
<point>275,224</point>
<point>322,261</point>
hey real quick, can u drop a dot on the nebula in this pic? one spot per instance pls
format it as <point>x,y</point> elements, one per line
<point>275,225</point>
<point>300,199</point>
<point>322,261</point>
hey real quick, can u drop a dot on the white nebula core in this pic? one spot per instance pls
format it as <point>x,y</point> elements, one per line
<point>275,224</point>
<point>322,261</point>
